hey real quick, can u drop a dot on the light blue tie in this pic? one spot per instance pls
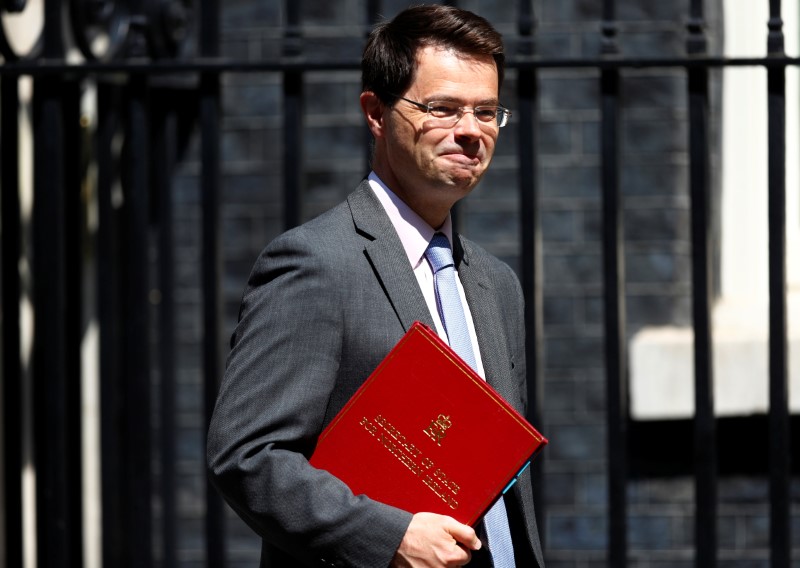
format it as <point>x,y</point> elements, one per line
<point>498,535</point>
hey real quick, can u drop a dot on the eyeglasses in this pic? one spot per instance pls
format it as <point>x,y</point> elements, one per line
<point>448,113</point>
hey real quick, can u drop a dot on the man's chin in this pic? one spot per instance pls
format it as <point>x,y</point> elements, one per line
<point>465,180</point>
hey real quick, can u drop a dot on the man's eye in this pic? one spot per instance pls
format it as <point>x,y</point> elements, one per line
<point>485,114</point>
<point>441,110</point>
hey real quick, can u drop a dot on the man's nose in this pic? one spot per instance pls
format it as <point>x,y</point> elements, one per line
<point>468,124</point>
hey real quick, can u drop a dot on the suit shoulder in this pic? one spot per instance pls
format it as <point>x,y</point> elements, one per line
<point>327,244</point>
<point>316,234</point>
<point>334,231</point>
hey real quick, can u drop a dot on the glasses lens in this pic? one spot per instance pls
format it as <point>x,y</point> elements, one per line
<point>486,114</point>
<point>443,110</point>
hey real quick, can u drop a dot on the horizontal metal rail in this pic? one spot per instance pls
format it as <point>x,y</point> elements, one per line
<point>222,65</point>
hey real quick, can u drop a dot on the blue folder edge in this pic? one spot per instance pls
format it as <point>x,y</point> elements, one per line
<point>516,477</point>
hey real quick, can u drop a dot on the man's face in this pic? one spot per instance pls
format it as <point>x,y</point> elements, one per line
<point>432,165</point>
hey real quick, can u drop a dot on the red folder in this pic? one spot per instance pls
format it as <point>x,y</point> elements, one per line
<point>426,433</point>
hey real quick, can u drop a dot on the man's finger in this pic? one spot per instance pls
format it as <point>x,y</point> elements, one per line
<point>464,535</point>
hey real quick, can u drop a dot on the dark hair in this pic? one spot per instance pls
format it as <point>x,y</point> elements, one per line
<point>389,60</point>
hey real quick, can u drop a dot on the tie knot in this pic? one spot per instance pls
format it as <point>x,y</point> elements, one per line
<point>439,253</point>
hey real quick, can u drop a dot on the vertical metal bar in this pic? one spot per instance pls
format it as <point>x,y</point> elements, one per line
<point>614,298</point>
<point>212,262</point>
<point>128,335</point>
<point>109,282</point>
<point>705,454</point>
<point>531,240</point>
<point>779,439</point>
<point>137,408</point>
<point>51,451</point>
<point>163,159</point>
<point>209,112</point>
<point>55,536</point>
<point>292,120</point>
<point>373,16</point>
<point>73,277</point>
<point>10,241</point>
<point>52,36</point>
<point>373,13</point>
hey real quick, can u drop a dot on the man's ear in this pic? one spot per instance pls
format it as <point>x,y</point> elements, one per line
<point>373,110</point>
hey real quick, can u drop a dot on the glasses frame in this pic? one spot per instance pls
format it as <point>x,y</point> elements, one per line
<point>462,110</point>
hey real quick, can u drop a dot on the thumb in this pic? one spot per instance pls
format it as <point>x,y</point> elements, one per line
<point>464,535</point>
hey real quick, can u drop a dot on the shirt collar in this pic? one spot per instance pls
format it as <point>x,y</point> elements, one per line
<point>413,230</point>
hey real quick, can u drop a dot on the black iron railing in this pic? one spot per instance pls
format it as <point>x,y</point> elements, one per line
<point>144,79</point>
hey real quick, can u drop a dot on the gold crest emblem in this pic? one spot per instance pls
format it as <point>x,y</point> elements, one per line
<point>437,429</point>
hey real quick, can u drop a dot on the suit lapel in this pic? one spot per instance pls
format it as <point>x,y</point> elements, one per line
<point>385,253</point>
<point>478,289</point>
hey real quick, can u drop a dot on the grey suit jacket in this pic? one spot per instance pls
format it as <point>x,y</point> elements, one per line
<point>324,304</point>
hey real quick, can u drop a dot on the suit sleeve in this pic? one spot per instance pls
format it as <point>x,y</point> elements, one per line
<point>279,377</point>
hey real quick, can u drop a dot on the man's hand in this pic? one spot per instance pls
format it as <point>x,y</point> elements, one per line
<point>434,541</point>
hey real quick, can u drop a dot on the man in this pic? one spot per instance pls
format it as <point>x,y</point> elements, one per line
<point>326,301</point>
